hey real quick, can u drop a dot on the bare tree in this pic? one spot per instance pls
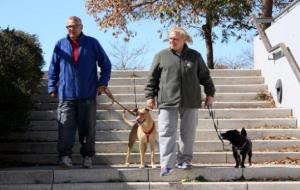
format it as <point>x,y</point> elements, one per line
<point>244,61</point>
<point>230,15</point>
<point>125,58</point>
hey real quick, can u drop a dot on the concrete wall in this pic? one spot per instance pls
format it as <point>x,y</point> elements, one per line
<point>285,29</point>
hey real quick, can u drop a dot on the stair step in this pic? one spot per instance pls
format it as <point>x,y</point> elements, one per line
<point>294,185</point>
<point>219,97</point>
<point>217,80</point>
<point>248,185</point>
<point>121,146</point>
<point>235,123</point>
<point>129,89</point>
<point>108,106</point>
<point>119,158</point>
<point>122,135</point>
<point>50,174</point>
<point>220,113</point>
<point>214,72</point>
<point>203,114</point>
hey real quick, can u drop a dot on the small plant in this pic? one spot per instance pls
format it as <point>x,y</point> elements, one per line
<point>187,180</point>
<point>201,179</point>
<point>197,179</point>
<point>266,96</point>
<point>263,95</point>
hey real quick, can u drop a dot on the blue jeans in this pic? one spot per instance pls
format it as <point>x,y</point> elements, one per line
<point>73,115</point>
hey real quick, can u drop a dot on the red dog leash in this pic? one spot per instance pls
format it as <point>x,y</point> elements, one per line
<point>110,96</point>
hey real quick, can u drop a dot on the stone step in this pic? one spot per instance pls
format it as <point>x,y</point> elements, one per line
<point>214,72</point>
<point>217,80</point>
<point>203,114</point>
<point>129,89</point>
<point>250,123</point>
<point>219,97</point>
<point>121,146</point>
<point>220,113</point>
<point>131,105</point>
<point>274,185</point>
<point>219,88</point>
<point>122,135</point>
<point>117,174</point>
<point>119,158</point>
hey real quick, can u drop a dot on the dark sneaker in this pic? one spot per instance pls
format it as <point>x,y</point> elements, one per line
<point>87,162</point>
<point>65,162</point>
<point>165,171</point>
<point>184,165</point>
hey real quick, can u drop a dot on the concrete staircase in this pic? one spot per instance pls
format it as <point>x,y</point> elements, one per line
<point>238,103</point>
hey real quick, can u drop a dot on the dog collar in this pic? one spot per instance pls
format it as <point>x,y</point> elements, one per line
<point>148,133</point>
<point>241,148</point>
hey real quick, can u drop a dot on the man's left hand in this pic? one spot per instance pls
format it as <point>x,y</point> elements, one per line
<point>209,101</point>
<point>104,90</point>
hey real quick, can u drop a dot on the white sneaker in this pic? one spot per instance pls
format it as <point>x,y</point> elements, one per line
<point>87,162</point>
<point>65,162</point>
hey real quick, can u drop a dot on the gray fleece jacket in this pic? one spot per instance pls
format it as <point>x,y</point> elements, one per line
<point>175,80</point>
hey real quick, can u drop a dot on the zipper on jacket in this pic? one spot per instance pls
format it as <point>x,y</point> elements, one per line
<point>180,70</point>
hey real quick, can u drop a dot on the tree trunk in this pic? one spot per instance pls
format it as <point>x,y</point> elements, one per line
<point>267,10</point>
<point>207,29</point>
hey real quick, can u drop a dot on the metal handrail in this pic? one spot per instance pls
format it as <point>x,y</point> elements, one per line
<point>286,9</point>
<point>284,49</point>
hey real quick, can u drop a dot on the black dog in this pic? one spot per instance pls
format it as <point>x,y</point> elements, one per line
<point>241,145</point>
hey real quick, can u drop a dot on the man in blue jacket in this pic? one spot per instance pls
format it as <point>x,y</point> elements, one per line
<point>74,68</point>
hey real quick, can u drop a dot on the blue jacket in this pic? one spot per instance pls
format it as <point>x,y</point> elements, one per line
<point>80,80</point>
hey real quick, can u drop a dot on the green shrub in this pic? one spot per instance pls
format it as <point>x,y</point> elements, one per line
<point>21,61</point>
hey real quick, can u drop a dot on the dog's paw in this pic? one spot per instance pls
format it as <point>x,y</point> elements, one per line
<point>127,164</point>
<point>153,166</point>
<point>142,166</point>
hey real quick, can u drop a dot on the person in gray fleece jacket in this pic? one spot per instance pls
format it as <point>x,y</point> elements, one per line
<point>174,82</point>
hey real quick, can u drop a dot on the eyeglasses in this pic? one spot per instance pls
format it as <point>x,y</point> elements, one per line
<point>173,39</point>
<point>73,26</point>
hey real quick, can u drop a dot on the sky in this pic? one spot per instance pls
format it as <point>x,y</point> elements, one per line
<point>47,20</point>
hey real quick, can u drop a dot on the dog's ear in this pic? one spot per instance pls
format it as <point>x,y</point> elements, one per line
<point>148,109</point>
<point>243,132</point>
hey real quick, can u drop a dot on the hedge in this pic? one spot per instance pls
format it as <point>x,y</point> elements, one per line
<point>21,63</point>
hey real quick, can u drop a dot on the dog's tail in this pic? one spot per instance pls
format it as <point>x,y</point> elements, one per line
<point>126,120</point>
<point>243,132</point>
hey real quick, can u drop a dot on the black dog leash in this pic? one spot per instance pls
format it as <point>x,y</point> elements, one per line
<point>216,124</point>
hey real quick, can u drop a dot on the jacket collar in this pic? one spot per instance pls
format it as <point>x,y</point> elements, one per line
<point>80,39</point>
<point>184,50</point>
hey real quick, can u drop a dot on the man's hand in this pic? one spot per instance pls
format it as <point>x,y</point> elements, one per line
<point>151,103</point>
<point>53,94</point>
<point>104,90</point>
<point>209,101</point>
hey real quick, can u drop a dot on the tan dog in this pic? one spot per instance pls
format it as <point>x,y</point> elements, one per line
<point>144,130</point>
